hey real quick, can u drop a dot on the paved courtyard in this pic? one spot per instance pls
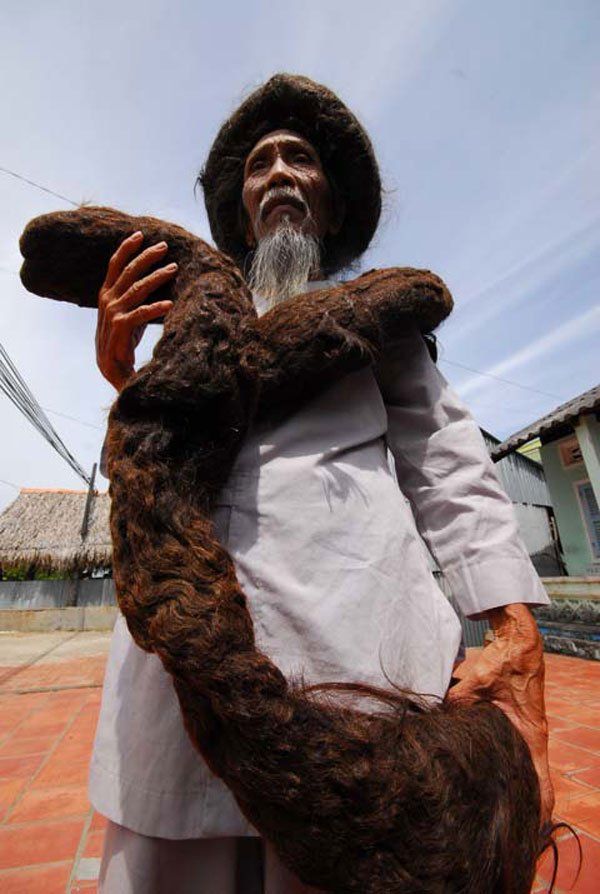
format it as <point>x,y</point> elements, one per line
<point>51,838</point>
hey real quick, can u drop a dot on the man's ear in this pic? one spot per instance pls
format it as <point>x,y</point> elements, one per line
<point>249,233</point>
<point>245,227</point>
<point>338,213</point>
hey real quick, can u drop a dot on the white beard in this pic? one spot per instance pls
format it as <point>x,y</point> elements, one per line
<point>283,263</point>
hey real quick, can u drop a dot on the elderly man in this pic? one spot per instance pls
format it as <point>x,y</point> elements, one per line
<point>326,534</point>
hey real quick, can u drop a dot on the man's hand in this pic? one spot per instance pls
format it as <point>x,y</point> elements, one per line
<point>510,671</point>
<point>122,316</point>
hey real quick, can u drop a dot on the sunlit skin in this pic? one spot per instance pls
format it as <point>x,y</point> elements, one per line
<point>510,672</point>
<point>284,161</point>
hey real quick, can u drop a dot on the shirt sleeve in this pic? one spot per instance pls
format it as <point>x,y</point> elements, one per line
<point>445,471</point>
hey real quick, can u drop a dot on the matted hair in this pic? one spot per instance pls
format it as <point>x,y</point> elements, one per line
<point>360,790</point>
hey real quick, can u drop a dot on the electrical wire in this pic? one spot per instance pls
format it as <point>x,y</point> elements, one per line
<point>10,484</point>
<point>39,186</point>
<point>73,419</point>
<point>488,375</point>
<point>17,391</point>
<point>442,359</point>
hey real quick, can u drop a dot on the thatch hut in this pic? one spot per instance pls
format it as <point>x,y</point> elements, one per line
<point>54,530</point>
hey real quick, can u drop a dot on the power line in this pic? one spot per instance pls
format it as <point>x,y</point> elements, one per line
<point>10,484</point>
<point>39,186</point>
<point>500,379</point>
<point>17,391</point>
<point>442,360</point>
<point>73,419</point>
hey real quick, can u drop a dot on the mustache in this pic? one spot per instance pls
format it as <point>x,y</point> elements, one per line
<point>278,196</point>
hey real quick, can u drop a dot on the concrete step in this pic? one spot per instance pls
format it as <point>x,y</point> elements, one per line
<point>572,587</point>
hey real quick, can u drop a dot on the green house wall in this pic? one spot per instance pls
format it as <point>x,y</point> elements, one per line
<point>561,484</point>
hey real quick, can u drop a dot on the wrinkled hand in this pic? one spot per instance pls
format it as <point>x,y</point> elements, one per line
<point>510,671</point>
<point>122,314</point>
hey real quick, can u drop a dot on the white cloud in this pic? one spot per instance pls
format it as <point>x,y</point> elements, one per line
<point>496,166</point>
<point>515,286</point>
<point>586,324</point>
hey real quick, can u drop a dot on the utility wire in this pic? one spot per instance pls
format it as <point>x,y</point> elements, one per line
<point>73,419</point>
<point>17,391</point>
<point>500,379</point>
<point>442,359</point>
<point>14,273</point>
<point>39,186</point>
<point>10,484</point>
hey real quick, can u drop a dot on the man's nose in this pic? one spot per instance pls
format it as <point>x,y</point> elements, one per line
<point>279,174</point>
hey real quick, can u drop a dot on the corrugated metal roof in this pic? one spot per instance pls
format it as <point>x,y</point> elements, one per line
<point>562,415</point>
<point>522,478</point>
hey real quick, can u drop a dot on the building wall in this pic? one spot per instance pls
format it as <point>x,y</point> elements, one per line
<point>561,483</point>
<point>531,450</point>
<point>38,594</point>
<point>537,535</point>
<point>524,481</point>
<point>588,437</point>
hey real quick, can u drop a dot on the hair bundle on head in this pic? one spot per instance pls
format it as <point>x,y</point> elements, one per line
<point>296,103</point>
<point>404,799</point>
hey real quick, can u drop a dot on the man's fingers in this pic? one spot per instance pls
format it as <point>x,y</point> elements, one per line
<point>548,799</point>
<point>137,293</point>
<point>124,252</point>
<point>137,267</point>
<point>465,668</point>
<point>470,682</point>
<point>539,754</point>
<point>148,312</point>
<point>465,689</point>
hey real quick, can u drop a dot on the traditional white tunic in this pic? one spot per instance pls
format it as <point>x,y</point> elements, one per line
<point>336,573</point>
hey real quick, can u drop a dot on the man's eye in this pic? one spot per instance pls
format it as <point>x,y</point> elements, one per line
<point>302,157</point>
<point>256,165</point>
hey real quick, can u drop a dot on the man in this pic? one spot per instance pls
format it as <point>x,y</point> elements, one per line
<point>325,545</point>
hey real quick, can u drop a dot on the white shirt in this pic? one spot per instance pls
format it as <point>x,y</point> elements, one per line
<point>336,573</point>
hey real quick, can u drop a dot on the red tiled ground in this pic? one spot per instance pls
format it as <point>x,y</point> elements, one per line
<point>51,838</point>
<point>573,707</point>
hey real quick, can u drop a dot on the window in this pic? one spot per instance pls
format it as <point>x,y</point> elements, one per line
<point>570,453</point>
<point>591,515</point>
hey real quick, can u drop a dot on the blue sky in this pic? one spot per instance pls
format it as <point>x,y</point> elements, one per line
<point>485,118</point>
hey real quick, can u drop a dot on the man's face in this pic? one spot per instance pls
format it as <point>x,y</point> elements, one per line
<point>283,177</point>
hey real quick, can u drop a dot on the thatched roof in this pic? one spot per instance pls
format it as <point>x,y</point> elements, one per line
<point>42,529</point>
<point>554,423</point>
